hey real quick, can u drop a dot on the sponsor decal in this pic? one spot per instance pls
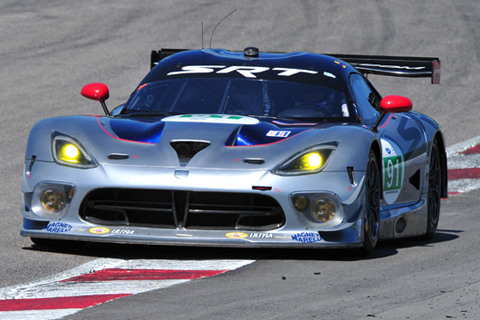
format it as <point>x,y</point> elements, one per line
<point>393,171</point>
<point>236,235</point>
<point>306,237</point>
<point>390,66</point>
<point>281,134</point>
<point>58,227</point>
<point>99,230</point>
<point>122,231</point>
<point>246,71</point>
<point>257,235</point>
<point>211,118</point>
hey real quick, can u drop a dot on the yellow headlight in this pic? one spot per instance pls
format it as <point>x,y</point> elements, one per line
<point>69,153</point>
<point>311,161</point>
<point>314,160</point>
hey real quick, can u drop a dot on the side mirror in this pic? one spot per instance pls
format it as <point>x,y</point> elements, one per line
<point>97,91</point>
<point>395,104</point>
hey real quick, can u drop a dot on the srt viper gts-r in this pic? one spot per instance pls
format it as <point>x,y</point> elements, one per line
<point>242,149</point>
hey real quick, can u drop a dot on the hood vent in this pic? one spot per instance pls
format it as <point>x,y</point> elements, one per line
<point>187,149</point>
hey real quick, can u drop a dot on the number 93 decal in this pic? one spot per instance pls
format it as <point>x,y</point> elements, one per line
<point>393,171</point>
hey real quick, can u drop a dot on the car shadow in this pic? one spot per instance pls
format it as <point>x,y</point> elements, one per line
<point>134,251</point>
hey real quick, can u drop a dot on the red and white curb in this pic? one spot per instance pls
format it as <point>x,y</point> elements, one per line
<point>100,281</point>
<point>464,166</point>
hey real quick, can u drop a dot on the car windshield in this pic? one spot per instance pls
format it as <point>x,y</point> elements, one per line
<point>237,96</point>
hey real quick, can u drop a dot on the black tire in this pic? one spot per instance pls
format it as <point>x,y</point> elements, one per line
<point>372,205</point>
<point>434,191</point>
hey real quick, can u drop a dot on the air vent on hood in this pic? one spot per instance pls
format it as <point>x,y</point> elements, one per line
<point>187,149</point>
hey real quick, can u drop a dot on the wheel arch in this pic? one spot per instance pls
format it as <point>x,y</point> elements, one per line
<point>375,147</point>
<point>443,162</point>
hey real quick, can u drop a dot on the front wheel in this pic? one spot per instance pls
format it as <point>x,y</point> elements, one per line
<point>372,205</point>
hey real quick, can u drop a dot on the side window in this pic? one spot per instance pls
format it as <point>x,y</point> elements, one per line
<point>367,100</point>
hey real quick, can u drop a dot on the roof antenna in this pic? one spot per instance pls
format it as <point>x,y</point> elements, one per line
<point>218,24</point>
<point>202,37</point>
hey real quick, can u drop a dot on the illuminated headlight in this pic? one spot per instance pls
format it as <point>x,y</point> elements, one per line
<point>51,200</point>
<point>68,151</point>
<point>310,161</point>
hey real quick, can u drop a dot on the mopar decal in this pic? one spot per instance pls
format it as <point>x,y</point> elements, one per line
<point>393,170</point>
<point>307,237</point>
<point>236,235</point>
<point>99,230</point>
<point>58,227</point>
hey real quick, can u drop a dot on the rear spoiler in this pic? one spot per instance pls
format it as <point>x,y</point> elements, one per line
<point>158,55</point>
<point>414,67</point>
<point>397,66</point>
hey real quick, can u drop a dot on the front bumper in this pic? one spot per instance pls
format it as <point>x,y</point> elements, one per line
<point>296,230</point>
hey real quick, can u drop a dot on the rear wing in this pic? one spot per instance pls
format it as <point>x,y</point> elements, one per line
<point>397,66</point>
<point>158,55</point>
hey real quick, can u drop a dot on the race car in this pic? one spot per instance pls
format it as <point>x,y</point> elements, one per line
<point>242,149</point>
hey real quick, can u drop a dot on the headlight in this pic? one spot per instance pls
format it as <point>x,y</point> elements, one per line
<point>324,209</point>
<point>318,208</point>
<point>51,200</point>
<point>309,161</point>
<point>68,151</point>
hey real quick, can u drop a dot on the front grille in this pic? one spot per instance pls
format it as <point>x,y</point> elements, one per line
<point>182,209</point>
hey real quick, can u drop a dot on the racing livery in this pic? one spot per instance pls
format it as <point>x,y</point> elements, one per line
<point>222,148</point>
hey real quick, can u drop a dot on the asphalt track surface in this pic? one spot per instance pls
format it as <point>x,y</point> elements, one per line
<point>50,49</point>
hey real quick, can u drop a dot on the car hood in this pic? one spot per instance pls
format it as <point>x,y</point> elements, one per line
<point>229,130</point>
<point>216,142</point>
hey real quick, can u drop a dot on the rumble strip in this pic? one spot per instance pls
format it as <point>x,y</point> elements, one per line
<point>464,166</point>
<point>86,286</point>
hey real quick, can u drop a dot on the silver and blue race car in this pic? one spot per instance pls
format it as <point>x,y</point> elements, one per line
<point>242,149</point>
